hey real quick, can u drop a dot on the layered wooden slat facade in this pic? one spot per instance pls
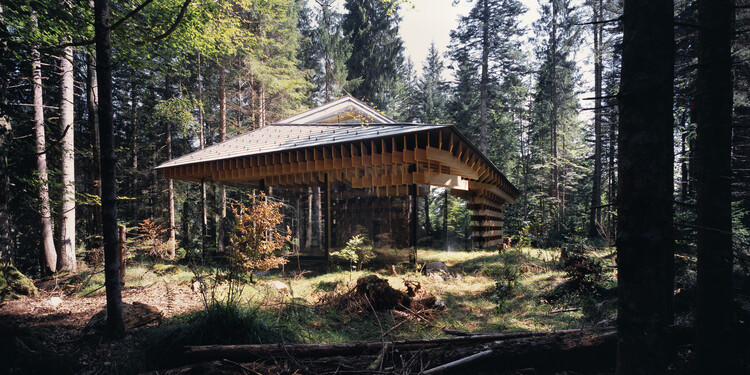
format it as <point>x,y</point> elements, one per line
<point>388,165</point>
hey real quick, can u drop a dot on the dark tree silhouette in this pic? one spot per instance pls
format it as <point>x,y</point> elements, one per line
<point>645,241</point>
<point>115,324</point>
<point>714,312</point>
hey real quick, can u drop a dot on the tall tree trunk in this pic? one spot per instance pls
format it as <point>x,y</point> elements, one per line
<point>67,250</point>
<point>170,183</point>
<point>134,147</point>
<point>45,211</point>
<point>555,155</point>
<point>318,220</point>
<point>596,193</point>
<point>204,208</point>
<point>715,347</point>
<point>445,217</point>
<point>115,325</point>
<point>645,241</point>
<point>92,122</point>
<point>5,240</point>
<point>222,138</point>
<point>309,228</point>
<point>485,80</point>
<point>427,224</point>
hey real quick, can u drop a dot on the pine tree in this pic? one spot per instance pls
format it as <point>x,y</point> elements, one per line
<point>488,38</point>
<point>431,91</point>
<point>556,106</point>
<point>377,51</point>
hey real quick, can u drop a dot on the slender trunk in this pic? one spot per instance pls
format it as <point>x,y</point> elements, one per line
<point>555,156</point>
<point>645,240</point>
<point>427,224</point>
<point>204,208</point>
<point>326,20</point>
<point>115,324</point>
<point>596,193</point>
<point>170,183</point>
<point>222,138</point>
<point>92,121</point>
<point>5,240</point>
<point>715,346</point>
<point>45,211</point>
<point>170,197</point>
<point>317,203</point>
<point>67,250</point>
<point>309,227</point>
<point>485,80</point>
<point>134,147</point>
<point>445,217</point>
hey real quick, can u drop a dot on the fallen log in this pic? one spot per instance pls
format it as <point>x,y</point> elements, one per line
<point>569,351</point>
<point>257,351</point>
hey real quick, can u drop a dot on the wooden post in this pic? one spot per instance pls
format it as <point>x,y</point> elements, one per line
<point>413,224</point>
<point>122,250</point>
<point>327,203</point>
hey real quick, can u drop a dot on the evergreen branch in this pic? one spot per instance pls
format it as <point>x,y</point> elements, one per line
<point>601,97</point>
<point>130,15</point>
<point>174,25</point>
<point>88,42</point>
<point>618,19</point>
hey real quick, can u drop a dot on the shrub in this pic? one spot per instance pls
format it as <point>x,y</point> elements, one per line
<point>584,272</point>
<point>150,240</point>
<point>256,238</point>
<point>220,323</point>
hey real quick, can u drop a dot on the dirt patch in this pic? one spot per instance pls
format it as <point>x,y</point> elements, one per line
<point>57,319</point>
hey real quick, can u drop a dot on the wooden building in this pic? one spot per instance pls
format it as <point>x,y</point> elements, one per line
<point>348,146</point>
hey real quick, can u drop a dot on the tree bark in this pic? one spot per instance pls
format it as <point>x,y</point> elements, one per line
<point>222,138</point>
<point>45,211</point>
<point>115,324</point>
<point>484,80</point>
<point>67,250</point>
<point>92,122</point>
<point>251,352</point>
<point>170,183</point>
<point>645,241</point>
<point>204,208</point>
<point>6,255</point>
<point>309,227</point>
<point>596,193</point>
<point>715,347</point>
<point>427,224</point>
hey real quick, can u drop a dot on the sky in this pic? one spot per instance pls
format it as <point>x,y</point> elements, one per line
<point>432,21</point>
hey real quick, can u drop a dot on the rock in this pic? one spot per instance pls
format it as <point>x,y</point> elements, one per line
<point>435,267</point>
<point>14,284</point>
<point>440,305</point>
<point>135,315</point>
<point>278,286</point>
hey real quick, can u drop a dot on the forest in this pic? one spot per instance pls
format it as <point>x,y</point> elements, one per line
<point>624,125</point>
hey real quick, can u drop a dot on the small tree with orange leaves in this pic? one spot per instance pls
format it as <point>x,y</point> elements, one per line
<point>257,238</point>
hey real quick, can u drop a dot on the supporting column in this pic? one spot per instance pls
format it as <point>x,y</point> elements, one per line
<point>327,210</point>
<point>413,221</point>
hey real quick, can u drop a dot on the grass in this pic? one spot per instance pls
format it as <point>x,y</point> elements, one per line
<point>472,304</point>
<point>473,300</point>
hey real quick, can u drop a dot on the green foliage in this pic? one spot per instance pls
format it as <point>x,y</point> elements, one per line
<point>377,50</point>
<point>177,112</point>
<point>356,252</point>
<point>220,323</point>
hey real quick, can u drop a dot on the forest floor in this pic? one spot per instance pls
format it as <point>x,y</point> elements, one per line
<point>518,290</point>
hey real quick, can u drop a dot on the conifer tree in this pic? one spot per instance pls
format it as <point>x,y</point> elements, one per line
<point>377,50</point>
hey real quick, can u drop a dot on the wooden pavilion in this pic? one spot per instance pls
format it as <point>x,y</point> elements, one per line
<point>352,147</point>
